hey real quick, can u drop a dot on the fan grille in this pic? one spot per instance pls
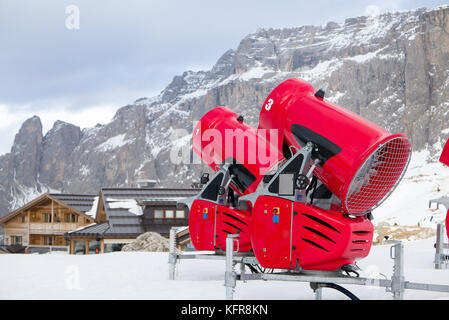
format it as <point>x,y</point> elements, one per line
<point>378,176</point>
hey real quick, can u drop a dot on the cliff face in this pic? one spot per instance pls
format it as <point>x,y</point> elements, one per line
<point>392,69</point>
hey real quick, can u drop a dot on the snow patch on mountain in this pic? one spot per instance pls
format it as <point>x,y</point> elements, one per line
<point>113,143</point>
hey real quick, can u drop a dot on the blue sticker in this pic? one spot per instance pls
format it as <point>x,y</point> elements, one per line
<point>299,197</point>
<point>204,215</point>
<point>276,218</point>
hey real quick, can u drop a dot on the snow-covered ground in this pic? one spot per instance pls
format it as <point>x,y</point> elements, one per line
<point>139,275</point>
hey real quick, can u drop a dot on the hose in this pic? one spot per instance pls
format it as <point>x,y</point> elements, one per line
<point>346,292</point>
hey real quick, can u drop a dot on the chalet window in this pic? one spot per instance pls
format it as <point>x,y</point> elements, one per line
<point>158,214</point>
<point>23,219</point>
<point>49,241</point>
<point>67,217</point>
<point>80,247</point>
<point>170,214</point>
<point>87,220</point>
<point>16,240</point>
<point>180,214</point>
<point>47,217</point>
<point>74,218</point>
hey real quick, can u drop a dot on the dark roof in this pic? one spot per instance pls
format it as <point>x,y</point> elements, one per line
<point>124,210</point>
<point>80,202</point>
<point>94,230</point>
<point>150,193</point>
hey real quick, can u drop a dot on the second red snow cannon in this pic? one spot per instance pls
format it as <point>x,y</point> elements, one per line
<point>241,158</point>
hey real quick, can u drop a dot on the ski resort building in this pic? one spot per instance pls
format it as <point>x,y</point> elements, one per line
<point>40,224</point>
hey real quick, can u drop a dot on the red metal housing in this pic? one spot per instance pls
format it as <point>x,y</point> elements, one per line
<point>306,236</point>
<point>361,163</point>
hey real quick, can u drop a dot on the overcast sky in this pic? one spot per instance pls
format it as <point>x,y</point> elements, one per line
<point>127,49</point>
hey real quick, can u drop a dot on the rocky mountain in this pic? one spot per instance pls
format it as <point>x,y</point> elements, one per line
<point>392,69</point>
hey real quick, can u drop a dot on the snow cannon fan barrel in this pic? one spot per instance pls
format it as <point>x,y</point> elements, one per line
<point>221,136</point>
<point>360,162</point>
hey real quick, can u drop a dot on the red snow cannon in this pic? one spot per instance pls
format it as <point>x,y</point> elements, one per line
<point>240,157</point>
<point>444,158</point>
<point>359,162</point>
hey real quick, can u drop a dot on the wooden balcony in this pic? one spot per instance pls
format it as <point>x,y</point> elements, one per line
<point>53,228</point>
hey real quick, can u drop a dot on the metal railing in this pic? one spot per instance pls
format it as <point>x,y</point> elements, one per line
<point>396,284</point>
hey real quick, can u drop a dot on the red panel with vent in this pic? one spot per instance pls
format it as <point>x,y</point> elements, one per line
<point>233,221</point>
<point>306,236</point>
<point>361,162</point>
<point>327,240</point>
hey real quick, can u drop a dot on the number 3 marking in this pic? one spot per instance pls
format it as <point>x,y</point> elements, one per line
<point>269,104</point>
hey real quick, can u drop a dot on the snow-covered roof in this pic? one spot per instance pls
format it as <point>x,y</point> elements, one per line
<point>128,204</point>
<point>93,210</point>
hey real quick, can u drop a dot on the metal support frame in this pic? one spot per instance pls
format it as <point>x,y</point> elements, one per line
<point>396,285</point>
<point>442,242</point>
<point>241,258</point>
<point>172,255</point>
<point>441,248</point>
<point>397,279</point>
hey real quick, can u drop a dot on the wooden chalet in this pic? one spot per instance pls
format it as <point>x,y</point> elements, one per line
<point>40,225</point>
